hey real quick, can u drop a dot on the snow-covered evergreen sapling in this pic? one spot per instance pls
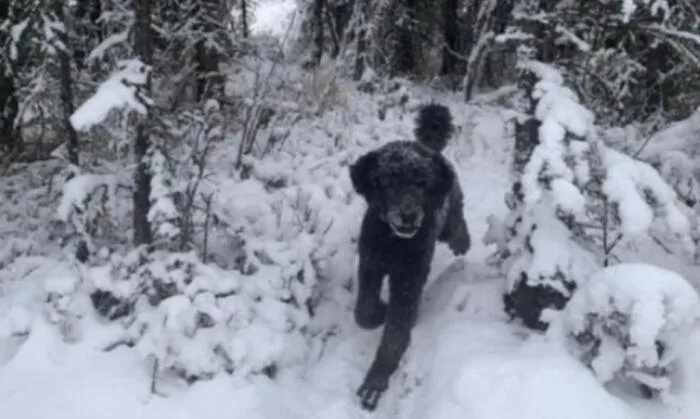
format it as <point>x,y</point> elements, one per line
<point>573,201</point>
<point>631,321</point>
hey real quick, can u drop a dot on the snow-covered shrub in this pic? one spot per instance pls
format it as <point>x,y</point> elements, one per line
<point>268,229</point>
<point>542,262</point>
<point>672,152</point>
<point>46,287</point>
<point>630,321</point>
<point>596,197</point>
<point>88,209</point>
<point>186,197</point>
<point>27,206</point>
<point>199,320</point>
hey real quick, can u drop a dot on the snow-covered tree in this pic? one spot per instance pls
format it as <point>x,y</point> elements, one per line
<point>575,198</point>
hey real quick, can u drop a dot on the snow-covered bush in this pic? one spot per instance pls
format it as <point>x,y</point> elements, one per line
<point>89,208</point>
<point>56,294</point>
<point>542,262</point>
<point>630,321</point>
<point>199,320</point>
<point>596,197</point>
<point>187,195</point>
<point>672,151</point>
<point>230,281</point>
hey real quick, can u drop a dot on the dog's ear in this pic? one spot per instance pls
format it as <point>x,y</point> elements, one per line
<point>361,174</point>
<point>443,177</point>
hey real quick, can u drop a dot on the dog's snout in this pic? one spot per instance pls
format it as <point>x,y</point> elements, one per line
<point>409,218</point>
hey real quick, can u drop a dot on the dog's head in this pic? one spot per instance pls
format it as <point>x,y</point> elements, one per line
<point>406,181</point>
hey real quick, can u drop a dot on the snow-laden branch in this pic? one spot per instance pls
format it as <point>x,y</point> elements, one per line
<point>561,166</point>
<point>124,89</point>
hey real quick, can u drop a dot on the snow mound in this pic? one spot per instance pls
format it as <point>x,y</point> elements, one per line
<point>632,320</point>
<point>483,371</point>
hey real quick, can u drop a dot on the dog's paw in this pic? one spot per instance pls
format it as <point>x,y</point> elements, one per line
<point>460,245</point>
<point>370,316</point>
<point>371,391</point>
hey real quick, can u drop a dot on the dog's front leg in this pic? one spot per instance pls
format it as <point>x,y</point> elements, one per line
<point>460,240</point>
<point>401,316</point>
<point>370,310</point>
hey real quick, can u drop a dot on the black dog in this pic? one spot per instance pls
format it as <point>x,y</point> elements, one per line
<point>414,200</point>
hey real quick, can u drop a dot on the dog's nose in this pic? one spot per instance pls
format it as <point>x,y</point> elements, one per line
<point>408,218</point>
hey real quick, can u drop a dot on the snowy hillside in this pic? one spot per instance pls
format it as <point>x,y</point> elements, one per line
<point>257,320</point>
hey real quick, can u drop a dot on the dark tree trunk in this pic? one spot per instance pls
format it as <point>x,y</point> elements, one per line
<point>451,36</point>
<point>495,67</point>
<point>405,48</point>
<point>9,111</point>
<point>66,85</point>
<point>656,62</point>
<point>87,14</point>
<point>361,30</point>
<point>209,80</point>
<point>142,193</point>
<point>244,18</point>
<point>9,103</point>
<point>547,51</point>
<point>318,32</point>
<point>338,18</point>
<point>167,14</point>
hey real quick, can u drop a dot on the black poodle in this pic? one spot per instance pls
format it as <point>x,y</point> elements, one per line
<point>414,200</point>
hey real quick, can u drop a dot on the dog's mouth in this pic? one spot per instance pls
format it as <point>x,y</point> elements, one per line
<point>404,232</point>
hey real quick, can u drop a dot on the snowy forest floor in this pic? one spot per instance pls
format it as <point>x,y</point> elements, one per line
<point>465,360</point>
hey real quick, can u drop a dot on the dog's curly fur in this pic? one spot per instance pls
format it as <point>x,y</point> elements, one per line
<point>414,200</point>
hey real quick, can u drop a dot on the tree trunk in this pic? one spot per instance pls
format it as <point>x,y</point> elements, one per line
<point>87,15</point>
<point>66,85</point>
<point>338,17</point>
<point>318,32</point>
<point>209,79</point>
<point>656,62</point>
<point>244,18</point>
<point>9,103</point>
<point>451,36</point>
<point>361,29</point>
<point>9,111</point>
<point>141,198</point>
<point>405,48</point>
<point>495,66</point>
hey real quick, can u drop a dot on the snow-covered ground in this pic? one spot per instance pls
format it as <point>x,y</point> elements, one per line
<point>465,361</point>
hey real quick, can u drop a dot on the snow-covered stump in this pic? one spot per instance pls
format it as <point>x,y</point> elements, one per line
<point>573,202</point>
<point>630,321</point>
